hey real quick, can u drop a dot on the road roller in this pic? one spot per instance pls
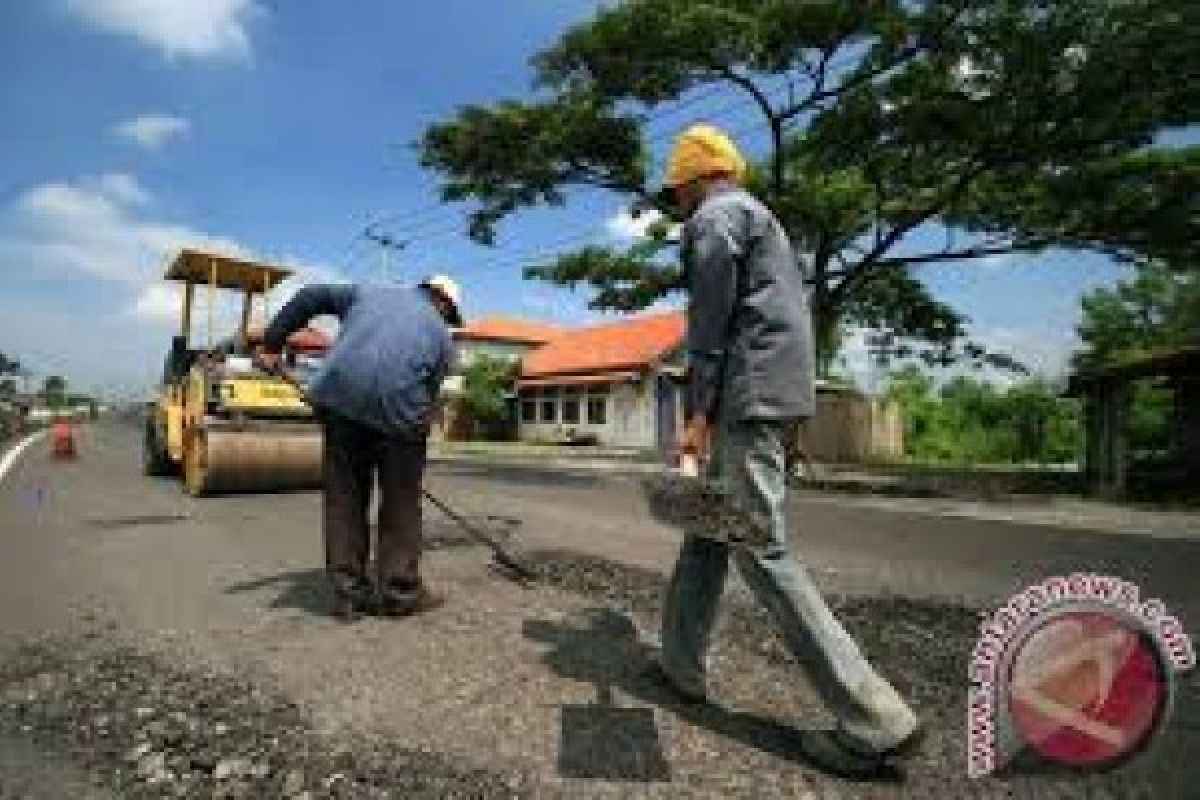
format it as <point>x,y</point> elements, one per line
<point>219,421</point>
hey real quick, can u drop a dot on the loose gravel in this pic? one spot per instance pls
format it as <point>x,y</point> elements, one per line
<point>144,729</point>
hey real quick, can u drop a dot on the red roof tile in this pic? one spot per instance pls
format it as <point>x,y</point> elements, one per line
<point>629,344</point>
<point>508,329</point>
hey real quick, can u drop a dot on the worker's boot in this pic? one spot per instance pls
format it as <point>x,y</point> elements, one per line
<point>352,597</point>
<point>401,601</point>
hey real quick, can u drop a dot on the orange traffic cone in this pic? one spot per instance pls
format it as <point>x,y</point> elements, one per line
<point>62,435</point>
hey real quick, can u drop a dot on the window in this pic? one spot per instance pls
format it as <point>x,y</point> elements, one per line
<point>549,408</point>
<point>597,408</point>
<point>570,410</point>
<point>528,410</point>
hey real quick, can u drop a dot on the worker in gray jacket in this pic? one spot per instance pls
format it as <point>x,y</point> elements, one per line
<point>376,397</point>
<point>751,362</point>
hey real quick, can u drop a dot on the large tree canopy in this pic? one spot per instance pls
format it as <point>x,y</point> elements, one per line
<point>1157,310</point>
<point>999,125</point>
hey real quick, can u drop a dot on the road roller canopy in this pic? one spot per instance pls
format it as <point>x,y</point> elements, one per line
<point>225,272</point>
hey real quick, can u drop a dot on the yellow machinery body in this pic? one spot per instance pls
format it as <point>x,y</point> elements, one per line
<point>218,420</point>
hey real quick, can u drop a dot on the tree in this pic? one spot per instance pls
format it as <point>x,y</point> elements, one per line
<point>54,390</point>
<point>1002,125</point>
<point>1159,309</point>
<point>10,366</point>
<point>482,403</point>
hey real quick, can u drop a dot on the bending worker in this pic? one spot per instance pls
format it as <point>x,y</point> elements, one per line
<point>751,360</point>
<point>376,397</point>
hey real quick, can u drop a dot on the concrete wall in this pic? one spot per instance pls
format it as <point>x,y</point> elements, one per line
<point>850,428</point>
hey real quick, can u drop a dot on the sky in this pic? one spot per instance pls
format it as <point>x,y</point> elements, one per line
<point>281,130</point>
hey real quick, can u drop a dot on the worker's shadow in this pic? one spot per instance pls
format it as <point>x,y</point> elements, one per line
<point>607,652</point>
<point>303,589</point>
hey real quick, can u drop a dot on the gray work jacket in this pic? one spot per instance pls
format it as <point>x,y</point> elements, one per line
<point>750,339</point>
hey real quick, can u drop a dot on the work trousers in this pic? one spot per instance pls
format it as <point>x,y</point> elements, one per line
<point>747,465</point>
<point>355,456</point>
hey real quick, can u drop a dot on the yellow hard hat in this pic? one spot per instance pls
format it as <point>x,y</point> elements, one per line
<point>703,150</point>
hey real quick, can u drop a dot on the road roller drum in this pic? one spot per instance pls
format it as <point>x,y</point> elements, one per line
<point>266,457</point>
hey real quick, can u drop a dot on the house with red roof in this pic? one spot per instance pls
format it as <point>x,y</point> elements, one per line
<point>498,338</point>
<point>616,383</point>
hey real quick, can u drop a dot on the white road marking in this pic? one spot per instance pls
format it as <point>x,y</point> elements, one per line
<point>14,452</point>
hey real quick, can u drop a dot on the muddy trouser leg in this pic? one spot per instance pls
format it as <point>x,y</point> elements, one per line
<point>401,468</point>
<point>870,713</point>
<point>348,474</point>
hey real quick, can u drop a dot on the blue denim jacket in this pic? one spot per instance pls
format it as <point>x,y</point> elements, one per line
<point>387,366</point>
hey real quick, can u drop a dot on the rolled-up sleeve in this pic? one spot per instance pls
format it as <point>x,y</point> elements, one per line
<point>711,252</point>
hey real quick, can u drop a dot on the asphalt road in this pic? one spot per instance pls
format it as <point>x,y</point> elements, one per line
<point>91,551</point>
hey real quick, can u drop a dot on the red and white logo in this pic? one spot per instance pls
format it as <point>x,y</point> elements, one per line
<point>1076,671</point>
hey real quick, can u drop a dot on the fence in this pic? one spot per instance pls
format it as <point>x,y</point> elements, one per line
<point>850,428</point>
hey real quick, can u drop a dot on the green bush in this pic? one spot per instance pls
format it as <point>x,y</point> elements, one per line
<point>971,421</point>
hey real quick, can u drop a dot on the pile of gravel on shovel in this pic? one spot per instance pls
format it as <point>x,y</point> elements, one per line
<point>144,729</point>
<point>698,506</point>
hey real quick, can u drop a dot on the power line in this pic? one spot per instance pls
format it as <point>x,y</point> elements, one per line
<point>386,244</point>
<point>428,212</point>
<point>436,230</point>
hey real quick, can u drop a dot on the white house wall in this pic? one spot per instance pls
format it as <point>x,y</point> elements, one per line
<point>629,417</point>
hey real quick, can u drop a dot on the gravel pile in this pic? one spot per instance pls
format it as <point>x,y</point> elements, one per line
<point>697,505</point>
<point>143,729</point>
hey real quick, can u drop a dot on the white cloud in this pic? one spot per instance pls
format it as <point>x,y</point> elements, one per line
<point>1045,350</point>
<point>151,131</point>
<point>196,29</point>
<point>95,227</point>
<point>625,228</point>
<point>102,229</point>
<point>157,303</point>
<point>102,232</point>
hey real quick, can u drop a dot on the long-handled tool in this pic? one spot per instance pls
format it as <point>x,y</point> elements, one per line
<point>521,573</point>
<point>513,568</point>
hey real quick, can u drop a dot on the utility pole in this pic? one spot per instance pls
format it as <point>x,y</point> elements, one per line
<point>386,244</point>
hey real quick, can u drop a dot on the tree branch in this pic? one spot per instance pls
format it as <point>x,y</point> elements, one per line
<point>883,243</point>
<point>960,255</point>
<point>750,87</point>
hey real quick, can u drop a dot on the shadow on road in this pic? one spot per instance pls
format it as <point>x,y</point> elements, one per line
<point>304,590</point>
<point>607,652</point>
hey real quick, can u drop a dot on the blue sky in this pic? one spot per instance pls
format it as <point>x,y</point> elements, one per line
<point>279,129</point>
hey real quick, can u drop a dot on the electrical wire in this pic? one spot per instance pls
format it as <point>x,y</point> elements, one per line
<point>438,230</point>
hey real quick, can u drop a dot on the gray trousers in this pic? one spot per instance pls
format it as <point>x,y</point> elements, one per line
<point>748,464</point>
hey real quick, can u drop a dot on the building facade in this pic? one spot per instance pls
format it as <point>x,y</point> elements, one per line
<point>497,338</point>
<point>617,384</point>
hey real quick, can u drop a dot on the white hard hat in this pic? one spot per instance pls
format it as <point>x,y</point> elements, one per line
<point>448,288</point>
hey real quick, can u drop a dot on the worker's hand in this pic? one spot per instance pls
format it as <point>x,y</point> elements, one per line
<point>267,360</point>
<point>696,437</point>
